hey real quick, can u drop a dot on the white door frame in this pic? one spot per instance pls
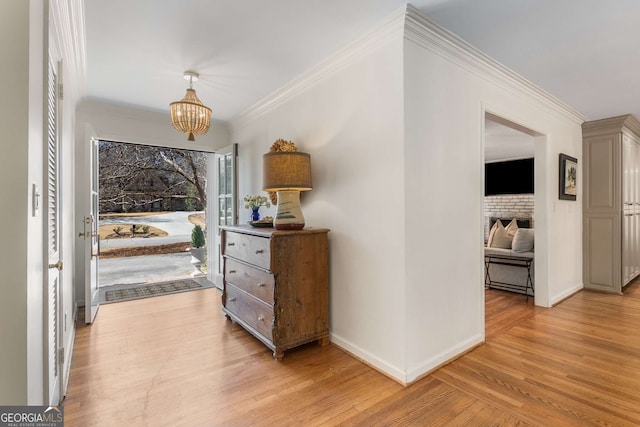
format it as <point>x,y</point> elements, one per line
<point>541,166</point>
<point>90,235</point>
<point>89,249</point>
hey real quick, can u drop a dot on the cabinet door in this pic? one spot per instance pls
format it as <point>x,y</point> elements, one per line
<point>635,251</point>
<point>627,246</point>
<point>636,172</point>
<point>628,172</point>
<point>602,173</point>
<point>636,181</point>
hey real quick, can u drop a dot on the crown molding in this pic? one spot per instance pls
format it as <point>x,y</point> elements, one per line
<point>626,122</point>
<point>421,30</point>
<point>68,25</point>
<point>390,28</point>
<point>409,23</point>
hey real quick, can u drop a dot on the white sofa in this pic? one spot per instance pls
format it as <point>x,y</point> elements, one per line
<point>509,268</point>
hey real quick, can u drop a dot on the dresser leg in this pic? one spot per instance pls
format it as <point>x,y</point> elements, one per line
<point>227,316</point>
<point>278,355</point>
<point>324,341</point>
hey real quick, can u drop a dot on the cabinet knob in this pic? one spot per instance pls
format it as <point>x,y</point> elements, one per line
<point>261,318</point>
<point>231,244</point>
<point>231,271</point>
<point>260,251</point>
<point>261,285</point>
<point>232,299</point>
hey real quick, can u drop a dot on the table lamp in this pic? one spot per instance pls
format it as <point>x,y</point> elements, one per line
<point>287,173</point>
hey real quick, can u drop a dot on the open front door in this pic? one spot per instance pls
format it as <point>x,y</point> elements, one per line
<point>226,188</point>
<point>91,238</point>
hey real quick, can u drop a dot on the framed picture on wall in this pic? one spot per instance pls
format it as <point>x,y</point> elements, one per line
<point>568,177</point>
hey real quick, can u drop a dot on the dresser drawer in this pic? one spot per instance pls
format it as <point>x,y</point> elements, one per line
<point>257,282</point>
<point>251,249</point>
<point>251,311</point>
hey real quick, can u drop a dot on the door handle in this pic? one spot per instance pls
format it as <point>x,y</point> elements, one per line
<point>57,265</point>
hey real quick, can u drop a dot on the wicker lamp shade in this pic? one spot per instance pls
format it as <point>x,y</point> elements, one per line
<point>288,173</point>
<point>286,170</point>
<point>190,115</point>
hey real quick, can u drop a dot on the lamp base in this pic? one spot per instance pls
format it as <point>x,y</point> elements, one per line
<point>289,213</point>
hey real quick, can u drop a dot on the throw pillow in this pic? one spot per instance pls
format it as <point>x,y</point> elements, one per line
<point>523,240</point>
<point>512,227</point>
<point>494,227</point>
<point>501,238</point>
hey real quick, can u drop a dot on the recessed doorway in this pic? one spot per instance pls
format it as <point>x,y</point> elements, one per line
<point>152,207</point>
<point>509,207</point>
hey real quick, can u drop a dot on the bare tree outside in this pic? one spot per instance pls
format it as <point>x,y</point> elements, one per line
<point>140,178</point>
<point>150,201</point>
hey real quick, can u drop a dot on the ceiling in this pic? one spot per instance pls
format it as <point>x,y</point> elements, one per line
<point>584,52</point>
<point>505,143</point>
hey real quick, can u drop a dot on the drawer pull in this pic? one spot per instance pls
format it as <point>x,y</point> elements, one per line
<point>261,285</point>
<point>231,271</point>
<point>232,299</point>
<point>231,244</point>
<point>261,318</point>
<point>260,251</point>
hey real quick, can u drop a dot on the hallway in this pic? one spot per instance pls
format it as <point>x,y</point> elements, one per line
<point>175,360</point>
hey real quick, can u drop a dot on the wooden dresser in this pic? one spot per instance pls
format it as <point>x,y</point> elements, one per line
<point>276,284</point>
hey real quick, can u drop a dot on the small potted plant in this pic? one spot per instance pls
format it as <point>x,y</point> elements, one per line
<point>197,249</point>
<point>254,202</point>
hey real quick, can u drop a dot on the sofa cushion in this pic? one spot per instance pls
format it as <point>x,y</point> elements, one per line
<point>507,252</point>
<point>523,240</point>
<point>501,238</point>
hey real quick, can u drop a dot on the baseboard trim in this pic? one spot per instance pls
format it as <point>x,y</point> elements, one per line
<point>566,295</point>
<point>370,360</point>
<point>442,359</point>
<point>445,363</point>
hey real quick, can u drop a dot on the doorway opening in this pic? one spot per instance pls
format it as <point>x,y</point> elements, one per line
<point>152,223</point>
<point>509,223</point>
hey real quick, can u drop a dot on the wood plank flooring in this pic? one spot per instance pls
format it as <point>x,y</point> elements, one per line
<point>175,360</point>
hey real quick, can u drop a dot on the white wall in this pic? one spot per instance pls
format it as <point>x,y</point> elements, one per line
<point>18,254</point>
<point>447,93</point>
<point>125,123</point>
<point>396,141</point>
<point>348,115</point>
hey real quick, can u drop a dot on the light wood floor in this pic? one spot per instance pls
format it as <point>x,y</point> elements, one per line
<point>174,360</point>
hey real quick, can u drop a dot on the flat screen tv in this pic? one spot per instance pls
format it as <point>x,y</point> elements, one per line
<point>512,177</point>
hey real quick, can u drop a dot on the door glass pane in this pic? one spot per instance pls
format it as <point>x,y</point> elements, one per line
<point>229,212</point>
<point>228,174</point>
<point>221,179</point>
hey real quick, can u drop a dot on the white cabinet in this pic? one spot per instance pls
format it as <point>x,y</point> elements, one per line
<point>611,204</point>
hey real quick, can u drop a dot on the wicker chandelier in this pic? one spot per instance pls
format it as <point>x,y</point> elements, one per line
<point>190,115</point>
